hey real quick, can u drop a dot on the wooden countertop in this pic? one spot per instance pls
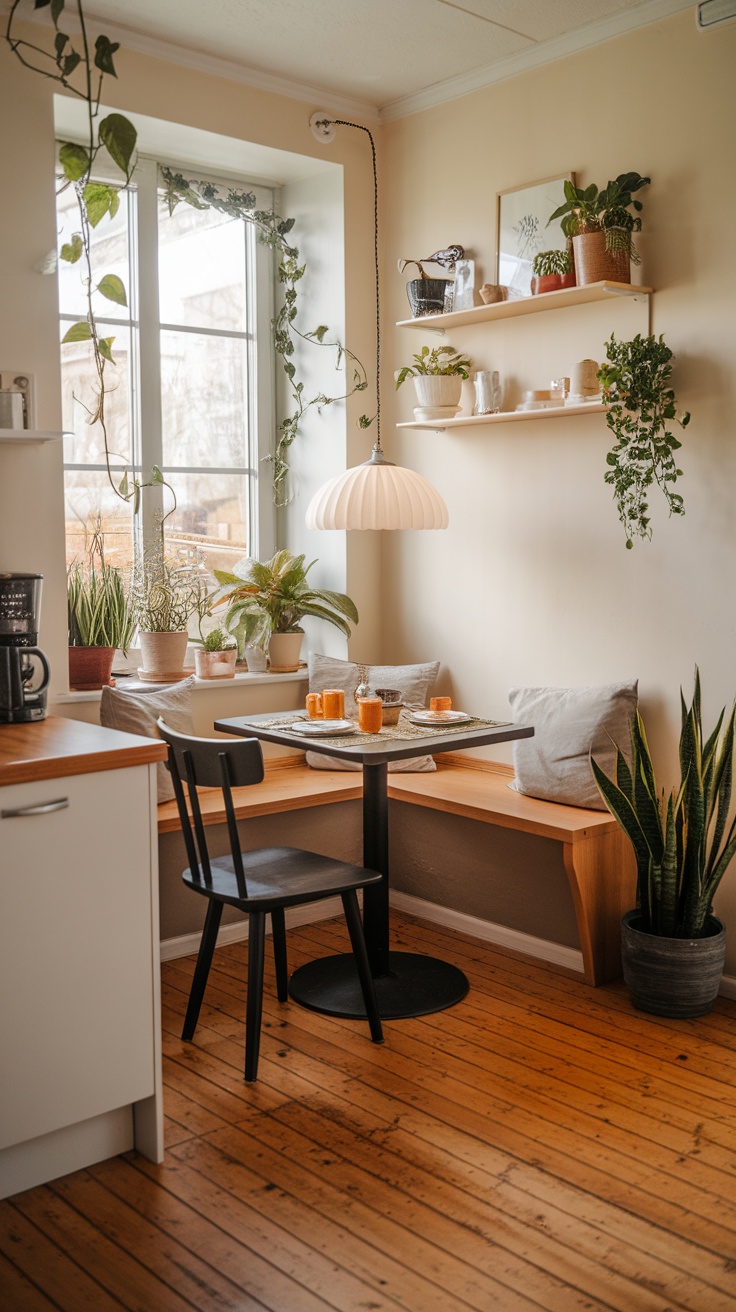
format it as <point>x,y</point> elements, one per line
<point>55,747</point>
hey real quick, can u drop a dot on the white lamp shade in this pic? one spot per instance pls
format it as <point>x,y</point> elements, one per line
<point>377,495</point>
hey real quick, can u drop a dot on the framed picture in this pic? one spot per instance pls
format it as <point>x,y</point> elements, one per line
<point>522,230</point>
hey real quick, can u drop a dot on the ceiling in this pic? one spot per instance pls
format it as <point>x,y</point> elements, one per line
<point>377,54</point>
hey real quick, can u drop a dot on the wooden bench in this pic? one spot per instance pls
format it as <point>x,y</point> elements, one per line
<point>597,857</point>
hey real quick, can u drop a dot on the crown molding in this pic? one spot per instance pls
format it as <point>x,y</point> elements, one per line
<point>545,52</point>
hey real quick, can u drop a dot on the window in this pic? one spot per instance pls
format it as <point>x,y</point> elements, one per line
<point>191,387</point>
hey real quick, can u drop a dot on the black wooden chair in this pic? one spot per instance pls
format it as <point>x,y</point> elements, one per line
<point>260,883</point>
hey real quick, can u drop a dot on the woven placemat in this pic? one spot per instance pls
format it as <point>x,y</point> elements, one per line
<point>404,730</point>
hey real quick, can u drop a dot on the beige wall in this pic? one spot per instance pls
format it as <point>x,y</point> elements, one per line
<point>531,583</point>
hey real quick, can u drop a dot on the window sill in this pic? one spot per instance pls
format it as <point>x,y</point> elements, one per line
<point>200,685</point>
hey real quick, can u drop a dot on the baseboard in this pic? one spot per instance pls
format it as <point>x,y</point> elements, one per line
<point>188,944</point>
<point>557,953</point>
<point>487,930</point>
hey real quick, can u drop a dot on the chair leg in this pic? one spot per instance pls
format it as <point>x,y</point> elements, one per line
<point>202,968</point>
<point>360,952</point>
<point>278,925</point>
<point>256,953</point>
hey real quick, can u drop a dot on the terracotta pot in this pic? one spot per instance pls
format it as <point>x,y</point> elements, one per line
<point>283,652</point>
<point>593,263</point>
<point>162,656</point>
<point>215,664</point>
<point>551,282</point>
<point>677,977</point>
<point>90,667</point>
<point>438,389</point>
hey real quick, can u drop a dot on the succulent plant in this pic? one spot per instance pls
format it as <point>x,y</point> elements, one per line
<point>548,263</point>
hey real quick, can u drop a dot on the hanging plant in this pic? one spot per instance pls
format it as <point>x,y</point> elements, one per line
<point>274,231</point>
<point>73,58</point>
<point>636,388</point>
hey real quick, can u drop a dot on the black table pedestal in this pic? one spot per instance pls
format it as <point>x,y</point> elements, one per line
<point>413,986</point>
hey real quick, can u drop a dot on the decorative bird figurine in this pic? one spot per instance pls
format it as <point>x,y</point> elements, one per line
<point>447,258</point>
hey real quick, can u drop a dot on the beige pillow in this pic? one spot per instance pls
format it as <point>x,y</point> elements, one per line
<point>413,681</point>
<point>137,712</point>
<point>569,723</point>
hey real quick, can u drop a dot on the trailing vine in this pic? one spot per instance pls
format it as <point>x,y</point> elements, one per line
<point>115,135</point>
<point>274,232</point>
<point>636,388</point>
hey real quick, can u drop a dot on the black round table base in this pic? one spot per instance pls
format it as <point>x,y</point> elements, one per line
<point>414,986</point>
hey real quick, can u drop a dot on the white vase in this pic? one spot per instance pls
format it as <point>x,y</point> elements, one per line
<point>163,656</point>
<point>435,390</point>
<point>283,652</point>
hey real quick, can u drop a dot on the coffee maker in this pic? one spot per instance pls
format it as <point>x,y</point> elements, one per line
<point>24,670</point>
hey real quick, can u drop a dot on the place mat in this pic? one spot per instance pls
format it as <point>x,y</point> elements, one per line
<point>404,730</point>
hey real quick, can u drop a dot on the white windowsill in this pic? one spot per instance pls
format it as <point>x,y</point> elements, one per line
<point>299,676</point>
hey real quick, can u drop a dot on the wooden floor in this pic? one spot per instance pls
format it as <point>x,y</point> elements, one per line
<point>541,1145</point>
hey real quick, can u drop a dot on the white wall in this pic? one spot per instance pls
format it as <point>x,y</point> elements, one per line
<point>531,583</point>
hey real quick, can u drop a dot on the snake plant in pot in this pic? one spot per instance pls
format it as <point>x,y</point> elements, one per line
<point>673,946</point>
<point>100,622</point>
<point>266,601</point>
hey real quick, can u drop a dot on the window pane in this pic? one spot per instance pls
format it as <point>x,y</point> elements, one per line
<point>202,269</point>
<point>110,254</point>
<point>204,400</point>
<point>90,501</point>
<point>79,391</point>
<point>211,515</point>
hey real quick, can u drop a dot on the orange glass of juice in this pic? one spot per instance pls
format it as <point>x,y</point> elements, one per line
<point>333,703</point>
<point>370,714</point>
<point>440,703</point>
<point>314,705</point>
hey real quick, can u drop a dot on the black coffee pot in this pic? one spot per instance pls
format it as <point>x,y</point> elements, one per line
<point>22,698</point>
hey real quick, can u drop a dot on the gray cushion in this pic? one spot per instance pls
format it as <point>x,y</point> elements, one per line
<point>569,723</point>
<point>137,712</point>
<point>414,682</point>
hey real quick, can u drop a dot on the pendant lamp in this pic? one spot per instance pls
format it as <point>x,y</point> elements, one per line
<point>376,494</point>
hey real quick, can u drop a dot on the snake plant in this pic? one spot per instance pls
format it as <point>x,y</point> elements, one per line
<point>681,843</point>
<point>98,607</point>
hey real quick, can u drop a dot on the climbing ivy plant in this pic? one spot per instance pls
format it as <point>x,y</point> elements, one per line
<point>274,232</point>
<point>636,387</point>
<point>80,69</point>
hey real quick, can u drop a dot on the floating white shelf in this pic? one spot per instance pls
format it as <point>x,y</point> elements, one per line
<point>509,416</point>
<point>26,435</point>
<point>594,291</point>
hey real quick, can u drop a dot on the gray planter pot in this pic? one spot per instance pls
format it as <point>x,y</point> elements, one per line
<point>677,977</point>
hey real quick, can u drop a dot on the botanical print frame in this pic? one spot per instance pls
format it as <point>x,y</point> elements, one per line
<point>522,216</point>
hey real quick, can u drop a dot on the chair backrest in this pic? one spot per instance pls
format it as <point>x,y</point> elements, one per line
<point>210,763</point>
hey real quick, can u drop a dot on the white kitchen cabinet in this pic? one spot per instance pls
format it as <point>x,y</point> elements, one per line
<point>79,1022</point>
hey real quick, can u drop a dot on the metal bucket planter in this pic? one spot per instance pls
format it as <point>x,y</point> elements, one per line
<point>676,977</point>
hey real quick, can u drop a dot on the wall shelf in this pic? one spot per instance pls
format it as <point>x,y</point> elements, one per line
<point>23,436</point>
<point>595,291</point>
<point>509,416</point>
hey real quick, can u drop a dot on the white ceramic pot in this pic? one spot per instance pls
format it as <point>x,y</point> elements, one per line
<point>162,656</point>
<point>438,389</point>
<point>283,652</point>
<point>215,664</point>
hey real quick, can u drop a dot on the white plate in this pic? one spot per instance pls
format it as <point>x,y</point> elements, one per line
<point>322,728</point>
<point>439,717</point>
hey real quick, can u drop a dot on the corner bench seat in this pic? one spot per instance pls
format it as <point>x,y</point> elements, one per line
<point>597,857</point>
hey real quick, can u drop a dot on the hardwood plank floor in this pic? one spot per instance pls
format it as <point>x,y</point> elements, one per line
<point>539,1146</point>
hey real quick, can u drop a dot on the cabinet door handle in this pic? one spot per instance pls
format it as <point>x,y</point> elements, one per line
<point>43,808</point>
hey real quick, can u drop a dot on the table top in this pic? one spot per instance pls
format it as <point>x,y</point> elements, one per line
<point>56,747</point>
<point>375,753</point>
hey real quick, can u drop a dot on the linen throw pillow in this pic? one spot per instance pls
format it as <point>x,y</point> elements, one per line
<point>569,723</point>
<point>414,682</point>
<point>137,712</point>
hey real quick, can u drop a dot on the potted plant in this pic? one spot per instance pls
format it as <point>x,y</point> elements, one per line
<point>266,601</point>
<point>427,295</point>
<point>164,596</point>
<point>673,947</point>
<point>100,622</point>
<point>600,224</point>
<point>216,658</point>
<point>552,271</point>
<point>636,387</point>
<point>438,379</point>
